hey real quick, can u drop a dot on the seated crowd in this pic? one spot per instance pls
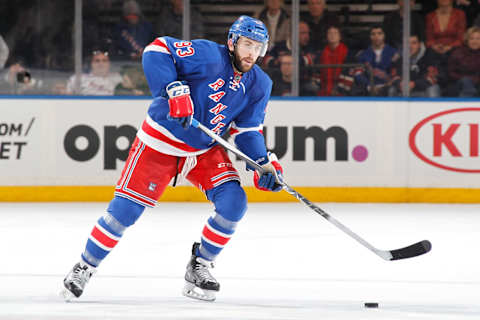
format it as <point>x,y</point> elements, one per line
<point>444,46</point>
<point>444,53</point>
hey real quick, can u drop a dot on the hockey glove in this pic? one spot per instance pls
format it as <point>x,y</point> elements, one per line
<point>180,103</point>
<point>271,179</point>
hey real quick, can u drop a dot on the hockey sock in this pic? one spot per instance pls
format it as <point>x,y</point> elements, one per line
<point>105,235</point>
<point>230,205</point>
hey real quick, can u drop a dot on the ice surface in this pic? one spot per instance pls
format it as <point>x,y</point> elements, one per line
<point>284,262</point>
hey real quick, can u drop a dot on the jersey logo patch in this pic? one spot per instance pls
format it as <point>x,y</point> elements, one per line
<point>152,186</point>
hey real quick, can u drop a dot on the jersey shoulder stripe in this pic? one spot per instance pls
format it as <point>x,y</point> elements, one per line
<point>158,45</point>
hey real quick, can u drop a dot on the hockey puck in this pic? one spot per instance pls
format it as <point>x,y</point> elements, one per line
<point>371,304</point>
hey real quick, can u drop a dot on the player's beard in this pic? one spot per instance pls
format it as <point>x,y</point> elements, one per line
<point>240,64</point>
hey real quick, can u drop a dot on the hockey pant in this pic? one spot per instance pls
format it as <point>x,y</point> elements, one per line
<point>145,176</point>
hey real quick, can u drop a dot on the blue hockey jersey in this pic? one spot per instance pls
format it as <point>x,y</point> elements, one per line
<point>223,100</point>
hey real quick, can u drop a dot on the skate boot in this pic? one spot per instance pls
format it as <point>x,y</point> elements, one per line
<point>199,283</point>
<point>76,280</point>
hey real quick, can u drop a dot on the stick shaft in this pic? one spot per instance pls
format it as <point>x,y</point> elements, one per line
<point>227,145</point>
<point>385,255</point>
<point>402,253</point>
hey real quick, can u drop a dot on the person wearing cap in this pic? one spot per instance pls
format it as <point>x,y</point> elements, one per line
<point>132,33</point>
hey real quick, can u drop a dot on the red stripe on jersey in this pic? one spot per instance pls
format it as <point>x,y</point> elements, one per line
<point>103,238</point>
<point>160,136</point>
<point>207,233</point>
<point>157,42</point>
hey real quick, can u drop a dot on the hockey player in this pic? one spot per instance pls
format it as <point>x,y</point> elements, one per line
<point>221,87</point>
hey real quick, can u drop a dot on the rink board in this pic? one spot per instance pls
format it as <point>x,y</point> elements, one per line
<point>332,150</point>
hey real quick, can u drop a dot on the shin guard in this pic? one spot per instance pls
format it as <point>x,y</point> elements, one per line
<point>230,205</point>
<point>121,213</point>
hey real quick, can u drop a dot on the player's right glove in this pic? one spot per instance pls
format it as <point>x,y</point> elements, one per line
<point>271,179</point>
<point>180,103</point>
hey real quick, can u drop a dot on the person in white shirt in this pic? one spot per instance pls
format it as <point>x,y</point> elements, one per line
<point>99,81</point>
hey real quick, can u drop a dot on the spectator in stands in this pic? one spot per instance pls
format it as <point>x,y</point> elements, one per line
<point>307,52</point>
<point>380,60</point>
<point>464,65</point>
<point>17,79</point>
<point>3,52</point>
<point>271,61</point>
<point>133,33</point>
<point>282,81</point>
<point>335,52</point>
<point>277,21</point>
<point>445,28</point>
<point>393,25</point>
<point>170,21</point>
<point>424,72</point>
<point>428,6</point>
<point>319,19</point>
<point>99,81</point>
<point>133,82</point>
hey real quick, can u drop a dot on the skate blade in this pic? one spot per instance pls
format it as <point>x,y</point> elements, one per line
<point>67,295</point>
<point>192,291</point>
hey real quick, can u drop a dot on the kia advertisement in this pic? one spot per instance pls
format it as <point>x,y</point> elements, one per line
<point>444,145</point>
<point>448,140</point>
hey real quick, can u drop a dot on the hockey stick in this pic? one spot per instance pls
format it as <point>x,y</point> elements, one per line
<point>413,250</point>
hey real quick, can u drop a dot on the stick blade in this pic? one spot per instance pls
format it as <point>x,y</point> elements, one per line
<point>411,251</point>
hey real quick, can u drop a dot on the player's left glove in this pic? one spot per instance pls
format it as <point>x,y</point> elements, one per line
<point>271,179</point>
<point>180,103</point>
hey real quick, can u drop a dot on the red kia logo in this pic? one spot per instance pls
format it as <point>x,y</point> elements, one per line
<point>449,140</point>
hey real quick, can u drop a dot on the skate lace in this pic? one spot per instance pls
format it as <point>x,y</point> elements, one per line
<point>201,268</point>
<point>80,275</point>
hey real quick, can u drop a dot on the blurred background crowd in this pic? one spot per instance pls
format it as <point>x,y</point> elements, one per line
<point>346,47</point>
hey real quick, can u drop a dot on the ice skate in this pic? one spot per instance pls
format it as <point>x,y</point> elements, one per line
<point>199,283</point>
<point>76,280</point>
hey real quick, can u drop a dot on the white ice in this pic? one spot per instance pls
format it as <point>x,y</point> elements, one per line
<point>284,262</point>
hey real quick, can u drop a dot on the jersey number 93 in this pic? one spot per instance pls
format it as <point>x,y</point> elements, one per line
<point>184,49</point>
